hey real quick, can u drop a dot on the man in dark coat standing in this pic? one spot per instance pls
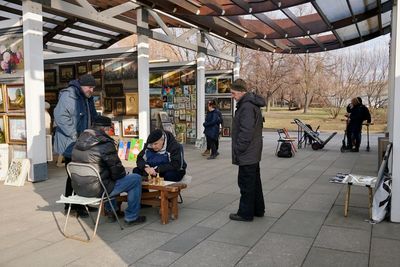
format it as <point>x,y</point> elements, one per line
<point>73,114</point>
<point>95,147</point>
<point>247,146</point>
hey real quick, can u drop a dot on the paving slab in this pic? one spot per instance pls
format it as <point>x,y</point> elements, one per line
<point>355,219</point>
<point>315,202</point>
<point>243,233</point>
<point>345,239</point>
<point>334,258</point>
<point>299,223</point>
<point>214,202</point>
<point>287,196</point>
<point>275,210</point>
<point>187,240</point>
<point>158,258</point>
<point>217,220</point>
<point>277,250</point>
<point>384,252</point>
<point>209,253</point>
<point>386,230</point>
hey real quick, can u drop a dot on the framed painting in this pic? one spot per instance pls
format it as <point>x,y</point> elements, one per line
<point>95,68</point>
<point>17,172</point>
<point>155,79</point>
<point>130,127</point>
<point>224,85</point>
<point>113,70</point>
<point>114,129</point>
<point>171,79</point>
<point>82,68</point>
<point>4,160</point>
<point>16,129</point>
<point>99,84</point>
<point>225,104</point>
<point>129,69</point>
<point>108,105</point>
<point>2,99</point>
<point>114,90</point>
<point>226,132</point>
<point>119,107</point>
<point>97,100</point>
<point>18,152</point>
<point>50,77</point>
<point>66,73</point>
<point>211,86</point>
<point>15,95</point>
<point>188,76</point>
<point>11,55</point>
<point>3,130</point>
<point>51,97</point>
<point>132,103</point>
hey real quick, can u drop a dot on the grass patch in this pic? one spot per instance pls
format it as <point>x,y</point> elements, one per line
<point>282,118</point>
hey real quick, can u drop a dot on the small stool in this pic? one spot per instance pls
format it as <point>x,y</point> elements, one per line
<point>347,200</point>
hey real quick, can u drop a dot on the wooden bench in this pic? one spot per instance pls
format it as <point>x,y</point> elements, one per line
<point>163,196</point>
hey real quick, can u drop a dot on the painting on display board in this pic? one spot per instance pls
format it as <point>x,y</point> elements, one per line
<point>4,160</point>
<point>129,69</point>
<point>2,100</point>
<point>108,105</point>
<point>114,90</point>
<point>171,78</point>
<point>224,85</point>
<point>17,172</point>
<point>188,76</point>
<point>95,68</point>
<point>156,102</point>
<point>66,73</point>
<point>97,100</point>
<point>114,129</point>
<point>136,147</point>
<point>3,130</point>
<point>82,68</point>
<point>155,91</point>
<point>155,79</point>
<point>211,86</point>
<point>16,129</point>
<point>168,91</point>
<point>50,77</point>
<point>119,107</point>
<point>113,70</point>
<point>132,103</point>
<point>51,97</point>
<point>130,127</point>
<point>225,104</point>
<point>15,95</point>
<point>11,55</point>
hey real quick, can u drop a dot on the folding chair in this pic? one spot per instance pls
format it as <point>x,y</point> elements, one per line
<point>284,137</point>
<point>81,169</point>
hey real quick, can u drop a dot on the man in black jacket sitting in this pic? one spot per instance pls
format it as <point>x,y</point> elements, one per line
<point>95,147</point>
<point>163,155</point>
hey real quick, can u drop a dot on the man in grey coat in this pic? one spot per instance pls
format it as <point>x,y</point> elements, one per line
<point>73,114</point>
<point>247,146</point>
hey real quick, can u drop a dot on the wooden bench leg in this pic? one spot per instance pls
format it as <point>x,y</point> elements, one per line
<point>174,208</point>
<point>164,209</point>
<point>370,198</point>
<point>347,200</point>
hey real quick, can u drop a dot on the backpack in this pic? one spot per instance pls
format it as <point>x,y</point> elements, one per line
<point>285,151</point>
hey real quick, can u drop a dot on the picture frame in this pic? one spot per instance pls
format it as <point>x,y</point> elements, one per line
<point>226,132</point>
<point>4,160</point>
<point>119,106</point>
<point>3,129</point>
<point>188,76</point>
<point>50,77</point>
<point>82,68</point>
<point>97,100</point>
<point>17,172</point>
<point>2,98</point>
<point>129,69</point>
<point>156,102</point>
<point>99,84</point>
<point>132,103</point>
<point>16,126</point>
<point>225,104</point>
<point>51,97</point>
<point>130,127</point>
<point>15,96</point>
<point>211,86</point>
<point>115,129</point>
<point>107,105</point>
<point>18,151</point>
<point>13,64</point>
<point>66,73</point>
<point>114,90</point>
<point>171,78</point>
<point>155,79</point>
<point>164,117</point>
<point>224,85</point>
<point>95,68</point>
<point>113,70</point>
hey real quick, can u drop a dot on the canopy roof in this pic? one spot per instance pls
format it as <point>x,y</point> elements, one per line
<point>284,26</point>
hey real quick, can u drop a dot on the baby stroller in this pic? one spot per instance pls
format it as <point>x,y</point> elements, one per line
<point>317,143</point>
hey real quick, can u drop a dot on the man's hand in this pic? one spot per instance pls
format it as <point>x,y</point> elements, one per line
<point>150,171</point>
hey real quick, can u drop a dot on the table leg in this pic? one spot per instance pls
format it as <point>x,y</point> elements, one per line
<point>174,208</point>
<point>347,200</point>
<point>370,202</point>
<point>164,207</point>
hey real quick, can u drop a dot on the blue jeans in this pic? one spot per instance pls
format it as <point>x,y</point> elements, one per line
<point>132,184</point>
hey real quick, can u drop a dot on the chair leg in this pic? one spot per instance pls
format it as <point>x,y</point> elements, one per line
<point>180,201</point>
<point>66,221</point>
<point>90,215</point>
<point>115,213</point>
<point>277,147</point>
<point>98,219</point>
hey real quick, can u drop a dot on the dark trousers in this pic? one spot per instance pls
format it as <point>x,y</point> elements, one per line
<point>68,186</point>
<point>354,136</point>
<point>212,144</point>
<point>251,194</point>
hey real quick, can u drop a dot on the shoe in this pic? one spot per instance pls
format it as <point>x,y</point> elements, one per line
<point>355,150</point>
<point>212,157</point>
<point>139,220</point>
<point>235,217</point>
<point>206,152</point>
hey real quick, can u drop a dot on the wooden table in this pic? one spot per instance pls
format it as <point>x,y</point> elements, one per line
<point>163,196</point>
<point>347,200</point>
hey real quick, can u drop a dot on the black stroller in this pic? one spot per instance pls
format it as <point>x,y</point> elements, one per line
<point>316,142</point>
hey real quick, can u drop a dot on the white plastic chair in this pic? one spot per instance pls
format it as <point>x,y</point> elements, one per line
<point>81,169</point>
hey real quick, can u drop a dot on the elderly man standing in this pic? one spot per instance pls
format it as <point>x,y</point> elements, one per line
<point>73,114</point>
<point>246,151</point>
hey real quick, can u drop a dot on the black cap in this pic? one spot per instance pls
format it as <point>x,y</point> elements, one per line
<point>87,80</point>
<point>154,136</point>
<point>102,121</point>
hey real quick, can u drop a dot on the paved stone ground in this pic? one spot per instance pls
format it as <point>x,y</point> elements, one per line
<point>304,225</point>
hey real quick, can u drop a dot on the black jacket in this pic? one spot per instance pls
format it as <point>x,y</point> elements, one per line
<point>211,124</point>
<point>176,160</point>
<point>358,114</point>
<point>247,128</point>
<point>97,148</point>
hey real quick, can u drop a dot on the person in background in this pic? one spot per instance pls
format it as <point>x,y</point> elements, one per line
<point>247,144</point>
<point>211,128</point>
<point>95,147</point>
<point>47,118</point>
<point>358,113</point>
<point>73,114</point>
<point>162,155</point>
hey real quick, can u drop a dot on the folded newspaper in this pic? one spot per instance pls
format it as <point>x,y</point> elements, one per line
<point>354,179</point>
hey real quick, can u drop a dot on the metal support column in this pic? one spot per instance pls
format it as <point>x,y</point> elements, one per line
<point>34,89</point>
<point>395,135</point>
<point>143,75</point>
<point>201,81</point>
<point>236,66</point>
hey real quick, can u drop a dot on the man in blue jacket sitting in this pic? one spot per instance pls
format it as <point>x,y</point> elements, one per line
<point>73,114</point>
